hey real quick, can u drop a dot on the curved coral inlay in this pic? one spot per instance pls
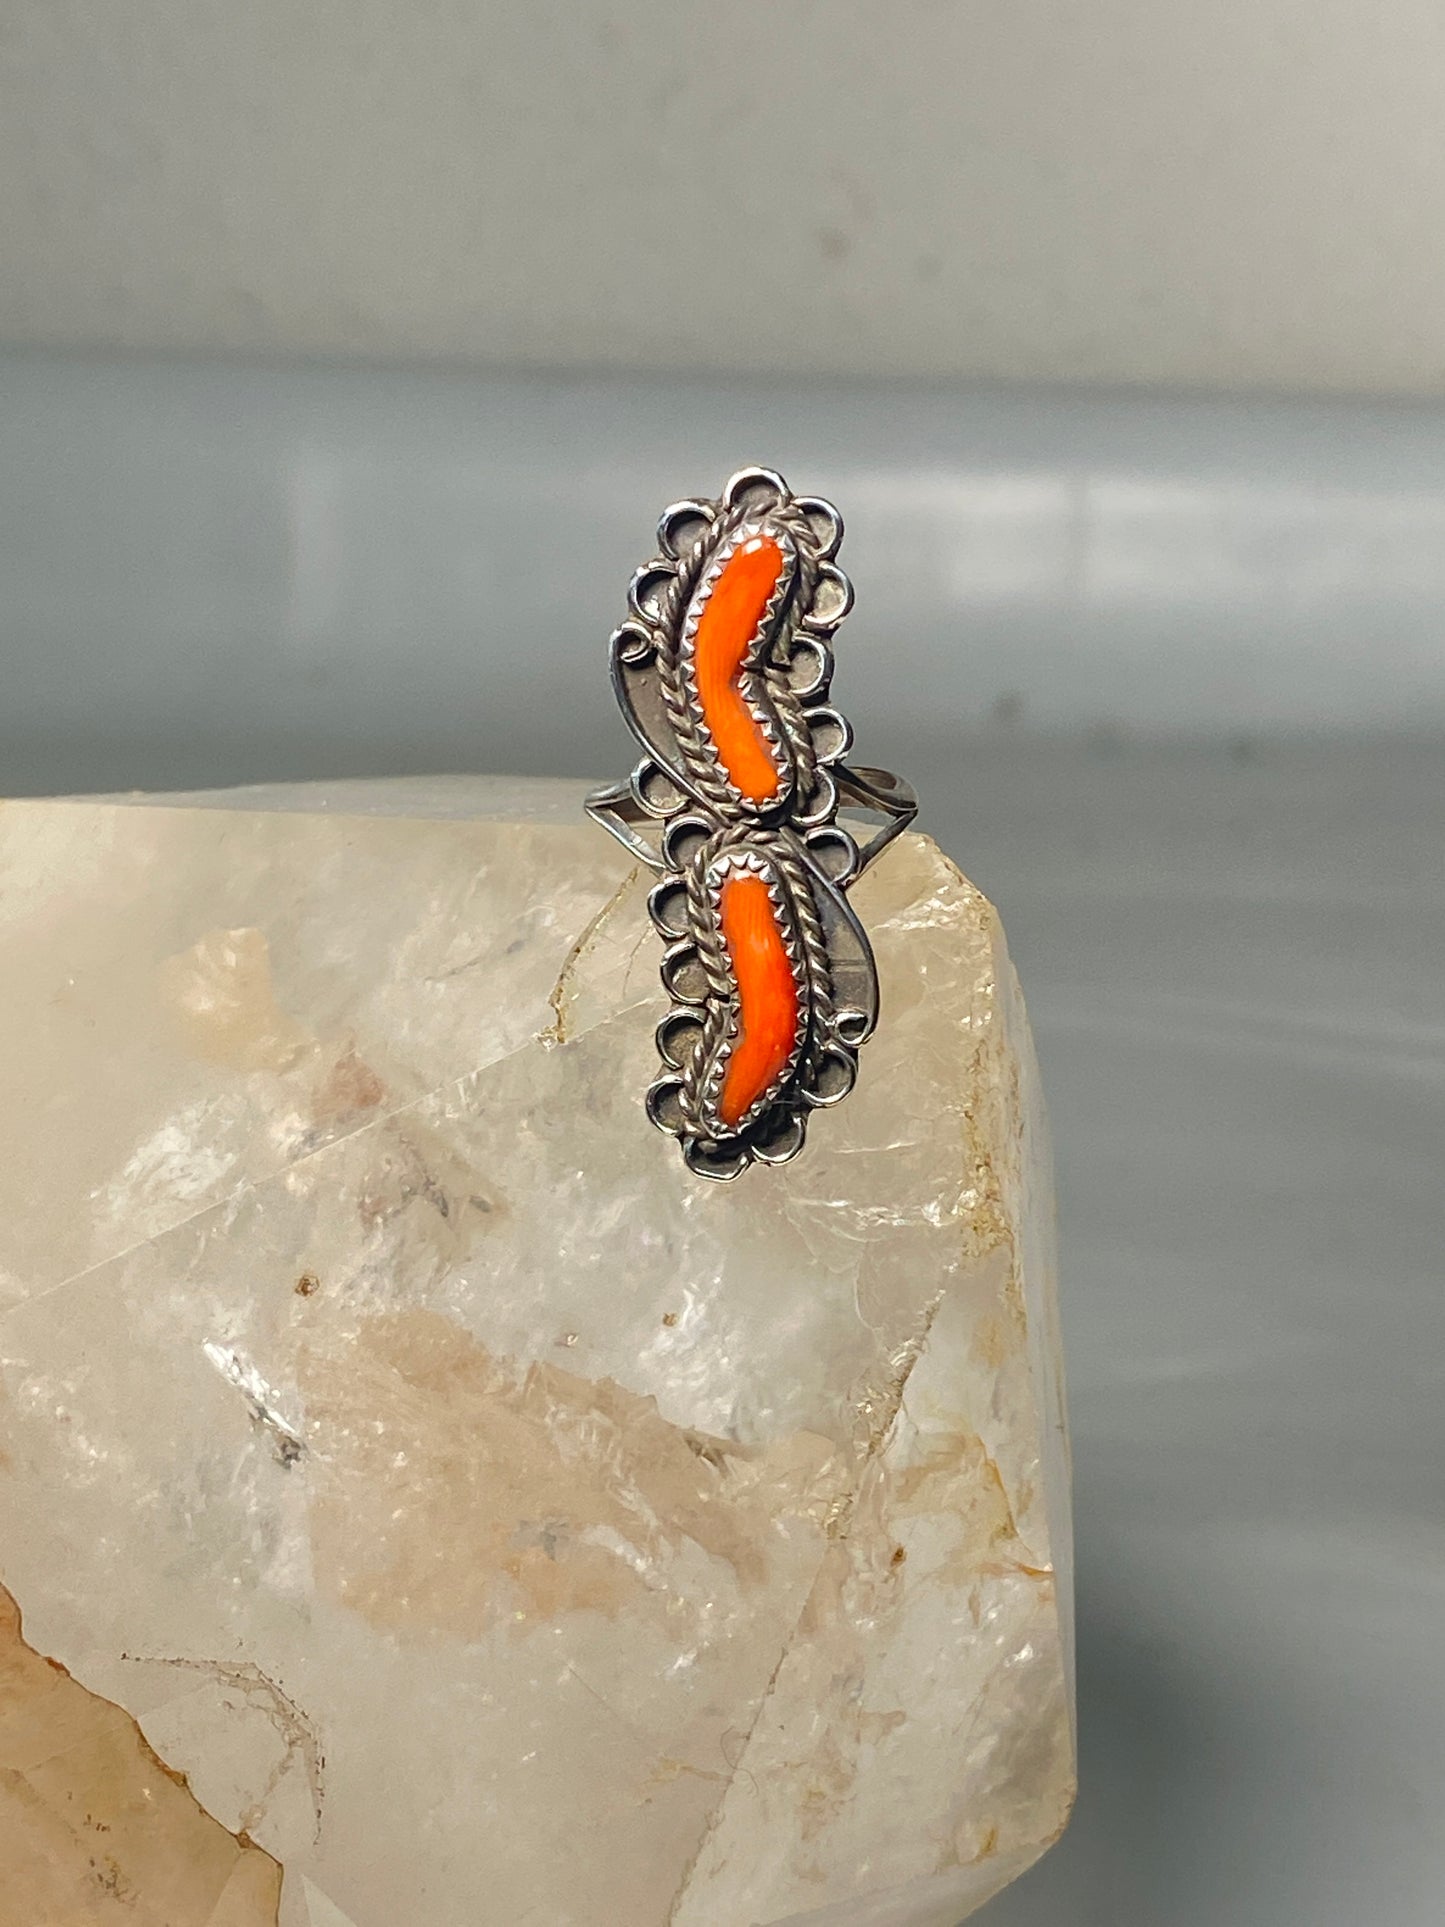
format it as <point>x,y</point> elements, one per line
<point>767,995</point>
<point>725,632</point>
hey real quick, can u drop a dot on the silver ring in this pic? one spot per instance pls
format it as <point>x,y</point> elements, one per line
<point>722,670</point>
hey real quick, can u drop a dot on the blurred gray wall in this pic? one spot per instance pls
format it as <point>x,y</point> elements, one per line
<point>217,574</point>
<point>1243,193</point>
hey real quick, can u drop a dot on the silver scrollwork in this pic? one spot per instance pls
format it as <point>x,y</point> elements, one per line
<point>689,814</point>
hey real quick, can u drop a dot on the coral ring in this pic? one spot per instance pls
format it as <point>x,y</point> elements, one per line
<point>722,670</point>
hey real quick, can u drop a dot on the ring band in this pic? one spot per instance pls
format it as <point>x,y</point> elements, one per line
<point>722,670</point>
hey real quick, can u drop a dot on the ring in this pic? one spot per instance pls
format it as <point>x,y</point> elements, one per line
<point>722,670</point>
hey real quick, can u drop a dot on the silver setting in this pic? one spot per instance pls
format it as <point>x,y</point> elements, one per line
<point>680,813</point>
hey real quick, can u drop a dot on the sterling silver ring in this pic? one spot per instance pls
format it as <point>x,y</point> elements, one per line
<point>722,670</point>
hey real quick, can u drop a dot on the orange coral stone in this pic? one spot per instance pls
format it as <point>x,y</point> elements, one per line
<point>767,995</point>
<point>725,630</point>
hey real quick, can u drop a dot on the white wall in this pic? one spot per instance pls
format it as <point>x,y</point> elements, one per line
<point>1216,192</point>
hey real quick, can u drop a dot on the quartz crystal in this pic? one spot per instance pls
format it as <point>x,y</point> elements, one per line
<point>423,1503</point>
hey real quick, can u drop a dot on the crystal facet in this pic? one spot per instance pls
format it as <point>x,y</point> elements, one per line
<point>489,1520</point>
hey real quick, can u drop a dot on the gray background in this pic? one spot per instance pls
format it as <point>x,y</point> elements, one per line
<point>1171,678</point>
<point>1240,192</point>
<point>1168,664</point>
